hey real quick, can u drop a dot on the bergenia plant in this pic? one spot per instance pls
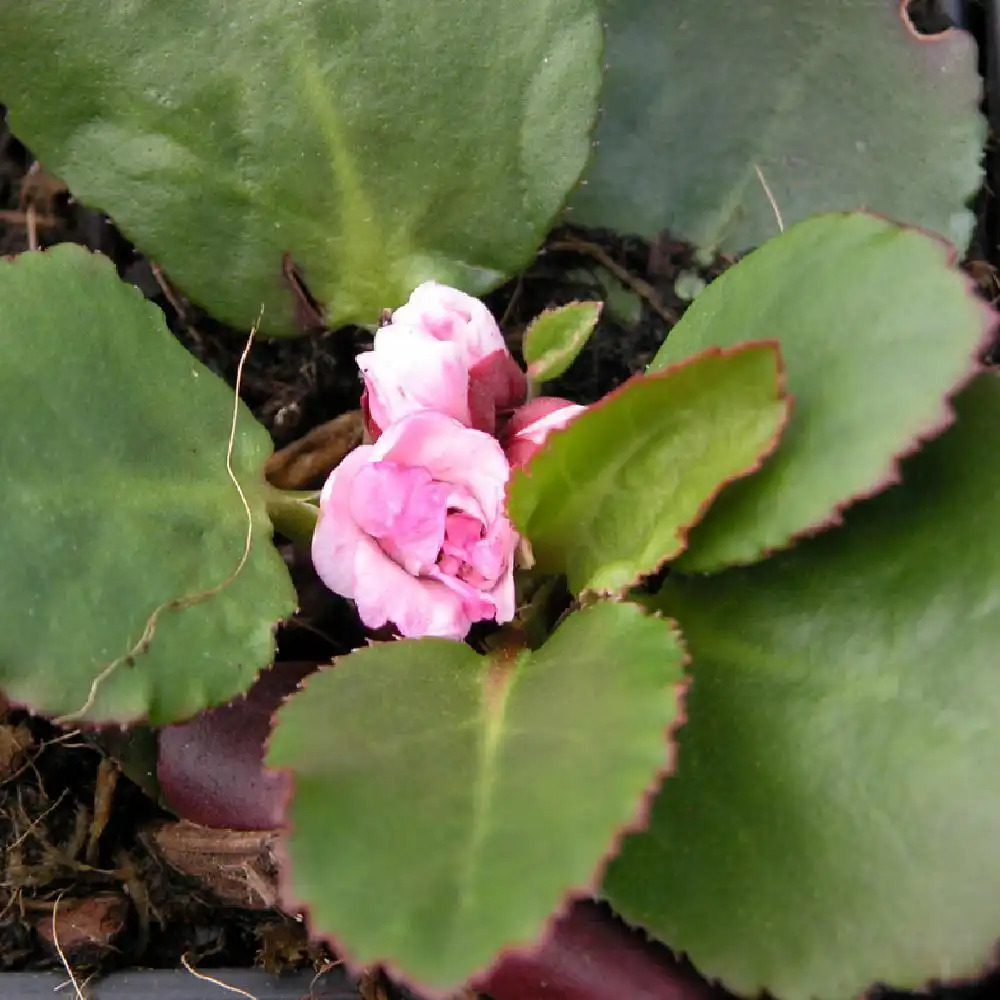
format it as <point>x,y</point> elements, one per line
<point>718,648</point>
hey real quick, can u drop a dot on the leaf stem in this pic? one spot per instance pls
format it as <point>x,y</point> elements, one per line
<point>293,514</point>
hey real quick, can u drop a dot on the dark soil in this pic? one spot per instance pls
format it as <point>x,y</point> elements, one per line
<point>66,839</point>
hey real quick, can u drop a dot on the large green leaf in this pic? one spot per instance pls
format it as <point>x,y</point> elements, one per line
<point>445,803</point>
<point>612,496</point>
<point>876,329</point>
<point>380,144</point>
<point>837,106</point>
<point>117,500</point>
<point>835,818</point>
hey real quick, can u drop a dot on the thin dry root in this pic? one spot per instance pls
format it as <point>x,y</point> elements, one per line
<point>216,982</point>
<point>59,951</point>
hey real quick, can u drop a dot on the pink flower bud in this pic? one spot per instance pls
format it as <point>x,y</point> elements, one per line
<point>532,423</point>
<point>442,351</point>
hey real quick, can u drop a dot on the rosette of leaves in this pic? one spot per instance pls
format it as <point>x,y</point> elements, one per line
<point>483,791</point>
<point>445,803</point>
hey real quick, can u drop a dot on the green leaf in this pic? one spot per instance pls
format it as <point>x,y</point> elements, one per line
<point>118,511</point>
<point>612,496</point>
<point>446,803</point>
<point>555,338</point>
<point>377,144</point>
<point>710,110</point>
<point>834,817</point>
<point>876,329</point>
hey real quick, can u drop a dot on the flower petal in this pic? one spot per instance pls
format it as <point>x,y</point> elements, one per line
<point>385,592</point>
<point>404,509</point>
<point>407,371</point>
<point>452,453</point>
<point>450,315</point>
<point>496,386</point>
<point>337,536</point>
<point>532,423</point>
<point>503,596</point>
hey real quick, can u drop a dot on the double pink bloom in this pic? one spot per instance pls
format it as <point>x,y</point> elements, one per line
<point>413,527</point>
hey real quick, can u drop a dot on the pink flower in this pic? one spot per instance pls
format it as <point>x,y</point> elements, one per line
<point>413,529</point>
<point>530,425</point>
<point>442,351</point>
<point>454,317</point>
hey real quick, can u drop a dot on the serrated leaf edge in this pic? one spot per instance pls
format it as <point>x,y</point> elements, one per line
<point>638,822</point>
<point>86,723</point>
<point>533,366</point>
<point>937,425</point>
<point>683,531</point>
